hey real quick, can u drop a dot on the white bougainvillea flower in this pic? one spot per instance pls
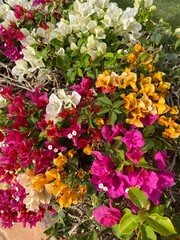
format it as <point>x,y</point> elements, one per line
<point>21,69</point>
<point>69,101</point>
<point>2,102</point>
<point>53,108</point>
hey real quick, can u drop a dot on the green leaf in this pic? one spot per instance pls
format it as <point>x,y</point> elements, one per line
<point>128,223</point>
<point>79,72</point>
<point>160,209</point>
<point>138,197</point>
<point>161,225</point>
<point>63,62</point>
<point>142,214</point>
<point>93,236</point>
<point>149,130</point>
<point>147,233</point>
<point>117,104</point>
<point>112,118</point>
<point>109,55</point>
<point>116,232</point>
<point>149,144</point>
<point>105,101</point>
<point>103,110</point>
<point>120,154</point>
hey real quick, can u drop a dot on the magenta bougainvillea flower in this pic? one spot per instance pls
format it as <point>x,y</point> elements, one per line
<point>109,132</point>
<point>107,216</point>
<point>149,119</point>
<point>83,87</point>
<point>133,138</point>
<point>160,158</point>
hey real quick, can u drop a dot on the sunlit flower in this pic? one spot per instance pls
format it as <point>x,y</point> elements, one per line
<point>162,107</point>
<point>60,161</point>
<point>173,131</point>
<point>68,198</point>
<point>103,80</point>
<point>107,216</point>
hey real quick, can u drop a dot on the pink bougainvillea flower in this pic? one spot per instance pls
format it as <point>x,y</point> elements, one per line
<point>73,133</point>
<point>160,158</point>
<point>133,138</point>
<point>37,2</point>
<point>149,119</point>
<point>109,132</point>
<point>107,216</point>
<point>83,87</point>
<point>6,92</point>
<point>134,154</point>
<point>41,100</point>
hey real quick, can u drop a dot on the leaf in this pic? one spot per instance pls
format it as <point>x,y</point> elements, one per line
<point>149,130</point>
<point>117,104</point>
<point>112,118</point>
<point>105,101</point>
<point>63,62</point>
<point>116,232</point>
<point>142,215</point>
<point>160,209</point>
<point>103,110</point>
<point>109,55</point>
<point>149,144</point>
<point>138,197</point>
<point>161,225</point>
<point>128,223</point>
<point>147,233</point>
<point>93,236</point>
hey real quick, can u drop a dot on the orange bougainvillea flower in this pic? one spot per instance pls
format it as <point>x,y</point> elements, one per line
<point>174,110</point>
<point>103,80</point>
<point>81,191</point>
<point>173,131</point>
<point>162,107</point>
<point>68,198</point>
<point>158,77</point>
<point>52,174</point>
<point>100,122</point>
<point>60,161</point>
<point>81,173</point>
<point>163,88</point>
<point>56,187</point>
<point>130,100</point>
<point>149,107</point>
<point>124,80</point>
<point>138,48</point>
<point>162,120</point>
<point>71,153</point>
<point>132,58</point>
<point>88,150</point>
<point>135,119</point>
<point>39,182</point>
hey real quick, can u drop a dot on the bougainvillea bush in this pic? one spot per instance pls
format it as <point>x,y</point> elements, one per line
<point>90,124</point>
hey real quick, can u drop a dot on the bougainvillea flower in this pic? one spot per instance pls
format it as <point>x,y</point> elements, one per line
<point>173,131</point>
<point>160,158</point>
<point>109,132</point>
<point>133,138</point>
<point>41,100</point>
<point>135,154</point>
<point>53,108</point>
<point>162,107</point>
<point>107,216</point>
<point>103,80</point>
<point>83,87</point>
<point>149,119</point>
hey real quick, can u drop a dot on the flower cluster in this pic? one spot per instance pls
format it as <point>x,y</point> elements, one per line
<point>63,38</point>
<point>94,142</point>
<point>109,134</point>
